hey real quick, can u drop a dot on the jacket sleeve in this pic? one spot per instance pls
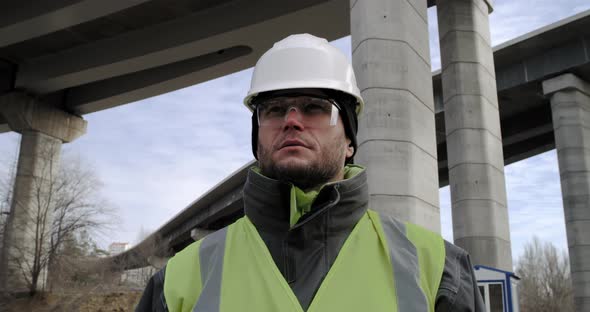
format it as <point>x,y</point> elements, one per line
<point>152,299</point>
<point>458,289</point>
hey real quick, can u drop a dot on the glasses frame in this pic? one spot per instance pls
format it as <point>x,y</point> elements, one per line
<point>335,112</point>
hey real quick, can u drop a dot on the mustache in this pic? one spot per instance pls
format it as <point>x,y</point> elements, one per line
<point>290,139</point>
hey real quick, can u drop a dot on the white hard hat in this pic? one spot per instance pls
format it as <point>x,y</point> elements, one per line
<point>303,61</point>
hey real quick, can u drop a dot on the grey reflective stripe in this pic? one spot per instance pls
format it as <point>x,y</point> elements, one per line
<point>406,269</point>
<point>211,254</point>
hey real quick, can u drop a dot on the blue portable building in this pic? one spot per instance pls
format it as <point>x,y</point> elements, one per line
<point>498,288</point>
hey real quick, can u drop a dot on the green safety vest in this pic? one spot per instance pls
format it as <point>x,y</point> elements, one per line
<point>384,265</point>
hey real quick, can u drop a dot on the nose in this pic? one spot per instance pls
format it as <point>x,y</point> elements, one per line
<point>293,119</point>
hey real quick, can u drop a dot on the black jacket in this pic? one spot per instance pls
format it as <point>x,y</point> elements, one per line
<point>305,252</point>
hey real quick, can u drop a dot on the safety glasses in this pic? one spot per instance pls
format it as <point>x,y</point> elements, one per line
<point>311,111</point>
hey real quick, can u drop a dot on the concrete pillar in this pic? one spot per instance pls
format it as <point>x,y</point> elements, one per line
<point>198,233</point>
<point>43,130</point>
<point>158,262</point>
<point>397,142</point>
<point>570,105</point>
<point>474,139</point>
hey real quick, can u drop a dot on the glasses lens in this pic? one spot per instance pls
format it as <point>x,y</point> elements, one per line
<point>311,111</point>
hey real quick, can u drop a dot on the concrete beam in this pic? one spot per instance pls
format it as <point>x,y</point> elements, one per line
<point>136,86</point>
<point>58,18</point>
<point>473,134</point>
<point>197,233</point>
<point>158,262</point>
<point>565,82</point>
<point>227,204</point>
<point>7,76</point>
<point>209,32</point>
<point>25,113</point>
<point>397,141</point>
<point>570,105</point>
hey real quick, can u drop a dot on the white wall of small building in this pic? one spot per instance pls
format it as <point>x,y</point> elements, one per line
<point>483,274</point>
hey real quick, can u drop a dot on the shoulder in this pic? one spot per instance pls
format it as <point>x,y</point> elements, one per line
<point>458,287</point>
<point>418,235</point>
<point>456,262</point>
<point>187,269</point>
<point>188,258</point>
<point>203,245</point>
<point>152,298</point>
<point>414,244</point>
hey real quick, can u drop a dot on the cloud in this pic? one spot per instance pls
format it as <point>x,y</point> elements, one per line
<point>446,218</point>
<point>535,203</point>
<point>433,38</point>
<point>343,44</point>
<point>582,7</point>
<point>9,146</point>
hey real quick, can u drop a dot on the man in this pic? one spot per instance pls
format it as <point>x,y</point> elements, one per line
<point>308,241</point>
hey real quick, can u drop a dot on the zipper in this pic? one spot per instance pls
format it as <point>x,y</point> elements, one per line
<point>290,274</point>
<point>320,210</point>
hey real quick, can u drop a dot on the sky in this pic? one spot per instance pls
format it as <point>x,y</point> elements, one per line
<point>157,155</point>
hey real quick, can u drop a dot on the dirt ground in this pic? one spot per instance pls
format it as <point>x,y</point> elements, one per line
<point>80,302</point>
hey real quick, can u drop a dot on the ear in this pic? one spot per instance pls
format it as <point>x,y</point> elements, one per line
<point>349,148</point>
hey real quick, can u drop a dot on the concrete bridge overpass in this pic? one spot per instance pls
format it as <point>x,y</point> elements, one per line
<point>83,56</point>
<point>65,58</point>
<point>522,65</point>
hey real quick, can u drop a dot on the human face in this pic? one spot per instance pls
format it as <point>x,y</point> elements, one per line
<point>301,153</point>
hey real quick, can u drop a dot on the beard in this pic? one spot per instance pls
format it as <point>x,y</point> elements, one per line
<point>308,176</point>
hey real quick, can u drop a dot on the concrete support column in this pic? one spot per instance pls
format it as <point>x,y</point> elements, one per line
<point>570,105</point>
<point>198,233</point>
<point>43,130</point>
<point>158,262</point>
<point>397,142</point>
<point>29,214</point>
<point>474,139</point>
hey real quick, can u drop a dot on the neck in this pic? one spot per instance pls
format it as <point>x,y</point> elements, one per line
<point>267,202</point>
<point>304,177</point>
<point>336,178</point>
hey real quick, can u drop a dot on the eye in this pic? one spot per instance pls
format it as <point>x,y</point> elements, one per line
<point>317,107</point>
<point>273,109</point>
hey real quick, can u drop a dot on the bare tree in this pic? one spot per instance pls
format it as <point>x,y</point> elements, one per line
<point>60,205</point>
<point>545,283</point>
<point>6,185</point>
<point>78,207</point>
<point>73,267</point>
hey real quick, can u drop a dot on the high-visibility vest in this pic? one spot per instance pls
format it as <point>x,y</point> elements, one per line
<point>384,265</point>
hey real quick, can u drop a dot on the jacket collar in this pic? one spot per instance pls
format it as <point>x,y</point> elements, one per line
<point>338,206</point>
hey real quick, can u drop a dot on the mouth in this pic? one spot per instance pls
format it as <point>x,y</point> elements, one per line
<point>292,143</point>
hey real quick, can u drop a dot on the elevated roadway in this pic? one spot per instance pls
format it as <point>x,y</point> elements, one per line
<point>521,65</point>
